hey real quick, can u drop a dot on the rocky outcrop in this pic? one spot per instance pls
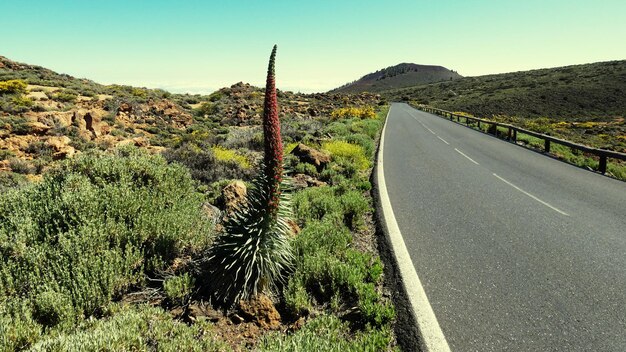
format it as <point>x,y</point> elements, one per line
<point>233,196</point>
<point>301,181</point>
<point>4,165</point>
<point>312,156</point>
<point>125,108</point>
<point>37,128</point>
<point>17,143</point>
<point>260,310</point>
<point>151,112</point>
<point>60,146</point>
<point>62,118</point>
<point>137,142</point>
<point>212,212</point>
<point>241,104</point>
<point>37,95</point>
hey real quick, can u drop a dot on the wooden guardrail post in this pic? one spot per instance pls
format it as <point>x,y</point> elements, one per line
<point>602,164</point>
<point>514,135</point>
<point>546,145</point>
<point>510,136</point>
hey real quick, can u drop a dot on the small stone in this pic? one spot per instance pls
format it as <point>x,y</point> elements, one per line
<point>236,319</point>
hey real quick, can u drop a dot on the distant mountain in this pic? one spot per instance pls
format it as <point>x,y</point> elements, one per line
<point>399,76</point>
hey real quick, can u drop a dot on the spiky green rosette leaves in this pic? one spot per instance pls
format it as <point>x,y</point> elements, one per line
<point>254,251</point>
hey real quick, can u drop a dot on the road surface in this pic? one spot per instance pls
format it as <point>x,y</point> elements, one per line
<point>516,251</point>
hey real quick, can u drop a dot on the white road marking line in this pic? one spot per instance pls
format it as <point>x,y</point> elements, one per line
<point>433,339</point>
<point>470,159</point>
<point>426,127</point>
<point>443,140</point>
<point>531,196</point>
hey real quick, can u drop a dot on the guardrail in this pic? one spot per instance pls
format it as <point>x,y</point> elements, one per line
<point>602,154</point>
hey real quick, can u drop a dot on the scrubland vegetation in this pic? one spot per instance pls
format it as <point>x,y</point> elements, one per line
<point>106,250</point>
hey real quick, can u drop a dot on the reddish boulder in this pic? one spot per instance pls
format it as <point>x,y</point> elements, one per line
<point>312,156</point>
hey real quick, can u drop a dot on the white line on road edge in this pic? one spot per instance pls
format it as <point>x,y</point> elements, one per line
<point>431,131</point>
<point>470,159</point>
<point>443,140</point>
<point>430,331</point>
<point>531,196</point>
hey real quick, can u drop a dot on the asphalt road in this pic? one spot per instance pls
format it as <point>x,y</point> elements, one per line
<point>516,251</point>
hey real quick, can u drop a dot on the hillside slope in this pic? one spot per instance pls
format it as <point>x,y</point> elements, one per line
<point>582,103</point>
<point>399,76</point>
<point>576,92</point>
<point>46,116</point>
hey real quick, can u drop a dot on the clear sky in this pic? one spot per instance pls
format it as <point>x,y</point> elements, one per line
<point>200,46</point>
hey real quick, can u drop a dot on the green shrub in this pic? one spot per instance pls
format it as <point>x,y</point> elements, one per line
<point>206,109</point>
<point>247,138</point>
<point>328,269</point>
<point>228,155</point>
<point>11,180</point>
<point>204,166</point>
<point>18,330</point>
<point>338,128</point>
<point>541,125</point>
<point>14,86</point>
<point>6,154</point>
<point>215,96</point>
<point>315,204</point>
<point>15,104</point>
<point>136,329</point>
<point>64,96</point>
<point>22,166</point>
<point>325,334</point>
<point>342,151</point>
<point>139,92</point>
<point>94,227</point>
<point>297,299</point>
<point>328,275</point>
<point>354,206</point>
<point>22,102</point>
<point>366,112</point>
<point>617,170</point>
<point>362,140</point>
<point>178,288</point>
<point>369,127</point>
<point>52,308</point>
<point>306,168</point>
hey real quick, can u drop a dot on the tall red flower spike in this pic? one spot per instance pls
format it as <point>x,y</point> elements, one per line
<point>273,142</point>
<point>254,252</point>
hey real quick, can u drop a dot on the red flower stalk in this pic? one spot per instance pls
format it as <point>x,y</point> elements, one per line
<point>254,251</point>
<point>271,134</point>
